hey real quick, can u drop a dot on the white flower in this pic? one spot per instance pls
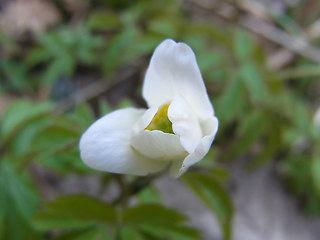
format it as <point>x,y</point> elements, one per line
<point>176,131</point>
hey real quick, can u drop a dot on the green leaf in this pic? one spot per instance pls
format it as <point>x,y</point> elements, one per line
<point>18,202</point>
<point>163,27</point>
<point>48,138</point>
<point>251,77</point>
<point>59,67</point>
<point>274,128</point>
<point>57,133</point>
<point>220,173</point>
<point>242,45</point>
<point>87,44</point>
<point>37,55</point>
<point>83,115</point>
<point>117,50</point>
<point>231,102</point>
<point>149,195</point>
<point>53,44</point>
<point>315,173</point>
<point>56,146</point>
<point>251,129</point>
<point>301,176</point>
<point>74,211</point>
<point>15,72</point>
<point>208,61</point>
<point>130,233</point>
<point>22,142</point>
<point>90,233</point>
<point>144,45</point>
<point>174,232</point>
<point>125,103</point>
<point>19,114</point>
<point>158,221</point>
<point>145,214</point>
<point>215,197</point>
<point>104,21</point>
<point>215,34</point>
<point>44,135</point>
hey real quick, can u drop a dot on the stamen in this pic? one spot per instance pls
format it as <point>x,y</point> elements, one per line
<point>161,121</point>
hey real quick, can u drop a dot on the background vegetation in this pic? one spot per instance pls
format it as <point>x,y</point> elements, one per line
<point>78,60</point>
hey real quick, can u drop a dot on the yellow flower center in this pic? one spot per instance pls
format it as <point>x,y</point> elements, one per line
<point>161,121</point>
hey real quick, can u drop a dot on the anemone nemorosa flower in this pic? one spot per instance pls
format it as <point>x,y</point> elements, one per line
<point>175,132</point>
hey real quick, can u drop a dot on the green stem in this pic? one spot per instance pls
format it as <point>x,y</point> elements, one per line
<point>133,188</point>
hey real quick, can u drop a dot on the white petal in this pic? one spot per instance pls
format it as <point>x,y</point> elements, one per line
<point>173,70</point>
<point>159,145</point>
<point>144,121</point>
<point>210,127</point>
<point>105,146</point>
<point>184,123</point>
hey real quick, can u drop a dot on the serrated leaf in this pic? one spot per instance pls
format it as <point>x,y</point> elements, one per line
<point>215,197</point>
<point>74,211</point>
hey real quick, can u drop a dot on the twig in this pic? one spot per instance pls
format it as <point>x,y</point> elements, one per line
<point>95,89</point>
<point>304,71</point>
<point>133,188</point>
<point>82,95</point>
<point>295,44</point>
<point>256,21</point>
<point>291,44</point>
<point>313,31</point>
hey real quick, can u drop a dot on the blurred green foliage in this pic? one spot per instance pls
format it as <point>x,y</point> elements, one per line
<point>261,118</point>
<point>18,204</point>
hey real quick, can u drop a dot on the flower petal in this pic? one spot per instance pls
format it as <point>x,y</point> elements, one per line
<point>173,70</point>
<point>184,123</point>
<point>158,145</point>
<point>210,128</point>
<point>105,146</point>
<point>144,121</point>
